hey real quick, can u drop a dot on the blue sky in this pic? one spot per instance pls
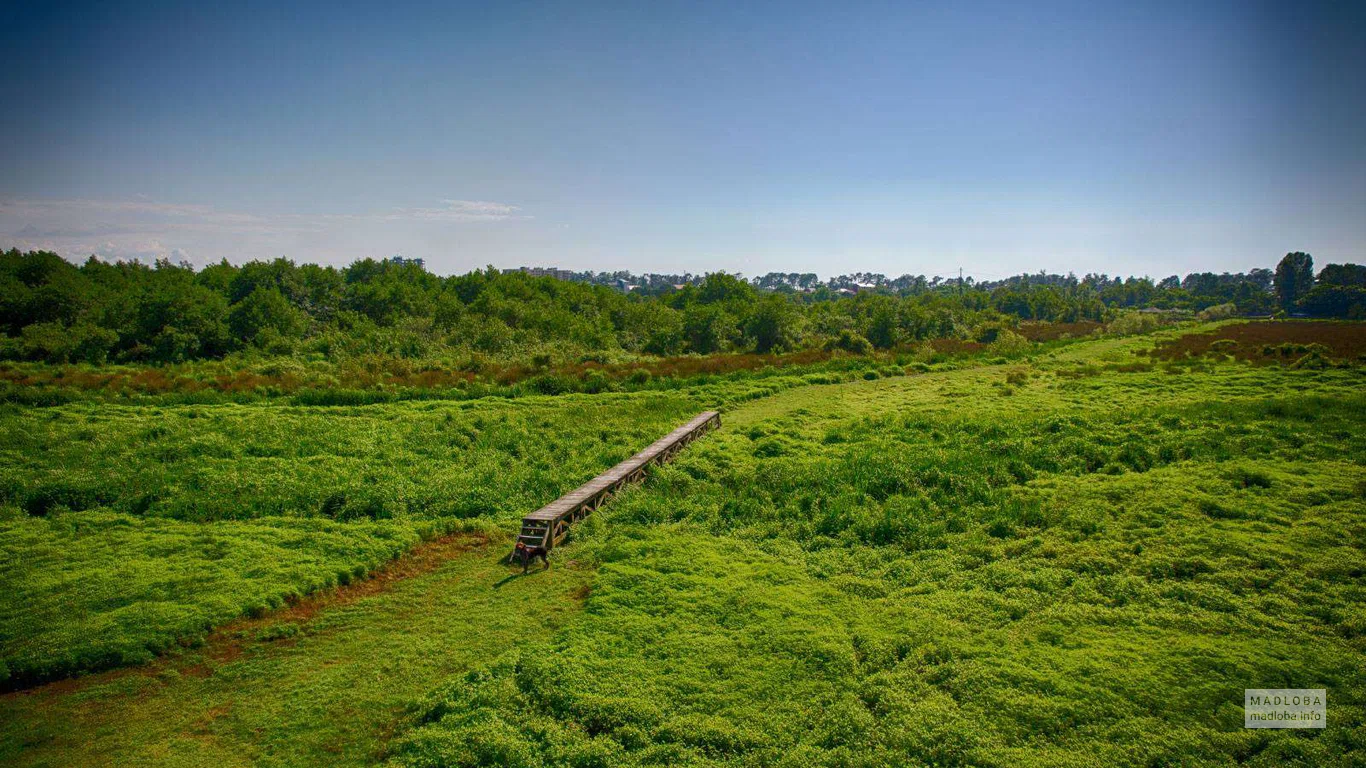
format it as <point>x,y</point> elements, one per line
<point>1129,138</point>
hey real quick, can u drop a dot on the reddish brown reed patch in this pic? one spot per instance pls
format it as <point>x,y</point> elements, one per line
<point>511,374</point>
<point>371,372</point>
<point>432,379</point>
<point>1253,340</point>
<point>1055,331</point>
<point>243,381</point>
<point>151,380</point>
<point>689,366</point>
<point>957,346</point>
<point>91,380</point>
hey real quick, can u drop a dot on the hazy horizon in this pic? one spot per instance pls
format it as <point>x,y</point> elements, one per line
<point>669,138</point>
<point>180,259</point>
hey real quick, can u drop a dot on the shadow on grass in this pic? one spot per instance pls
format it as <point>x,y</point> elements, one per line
<point>518,575</point>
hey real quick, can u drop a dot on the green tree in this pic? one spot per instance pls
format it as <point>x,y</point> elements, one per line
<point>264,311</point>
<point>280,274</point>
<point>1294,278</point>
<point>721,288</point>
<point>218,277</point>
<point>1343,274</point>
<point>707,328</point>
<point>174,319</point>
<point>772,324</point>
<point>1326,300</point>
<point>883,328</point>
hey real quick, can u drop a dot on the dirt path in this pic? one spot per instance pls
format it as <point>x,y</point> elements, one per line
<point>324,681</point>
<point>228,641</point>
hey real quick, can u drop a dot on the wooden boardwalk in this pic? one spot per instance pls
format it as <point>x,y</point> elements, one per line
<point>548,525</point>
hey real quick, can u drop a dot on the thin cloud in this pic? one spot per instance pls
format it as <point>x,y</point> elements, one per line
<point>145,229</point>
<point>79,229</point>
<point>460,210</point>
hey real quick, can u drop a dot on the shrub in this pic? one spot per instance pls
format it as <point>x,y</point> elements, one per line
<point>1217,511</point>
<point>279,631</point>
<point>42,500</point>
<point>1135,456</point>
<point>991,332</point>
<point>1314,361</point>
<point>595,382</point>
<point>770,446</point>
<point>1218,312</point>
<point>1291,349</point>
<point>366,504</point>
<point>550,384</point>
<point>46,341</point>
<point>323,397</point>
<point>1009,343</point>
<point>850,341</point>
<point>1133,323</point>
<point>1249,478</point>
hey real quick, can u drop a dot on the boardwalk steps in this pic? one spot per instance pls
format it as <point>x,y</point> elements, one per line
<point>547,526</point>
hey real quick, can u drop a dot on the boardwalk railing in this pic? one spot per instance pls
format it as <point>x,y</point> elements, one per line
<point>547,526</point>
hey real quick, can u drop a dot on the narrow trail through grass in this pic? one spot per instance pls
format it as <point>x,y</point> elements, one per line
<point>318,686</point>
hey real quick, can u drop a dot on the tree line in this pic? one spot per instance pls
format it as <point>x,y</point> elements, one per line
<point>56,311</point>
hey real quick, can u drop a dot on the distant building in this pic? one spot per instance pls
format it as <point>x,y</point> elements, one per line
<point>400,261</point>
<point>555,272</point>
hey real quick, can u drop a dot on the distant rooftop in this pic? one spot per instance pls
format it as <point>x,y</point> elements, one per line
<point>555,272</point>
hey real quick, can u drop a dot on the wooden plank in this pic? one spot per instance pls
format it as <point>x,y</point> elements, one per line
<point>592,492</point>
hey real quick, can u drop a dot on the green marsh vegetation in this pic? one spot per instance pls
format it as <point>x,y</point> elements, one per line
<point>163,520</point>
<point>126,531</point>
<point>1000,566</point>
<point>1075,555</point>
<point>327,690</point>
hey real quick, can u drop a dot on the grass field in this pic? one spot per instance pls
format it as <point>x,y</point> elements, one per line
<point>321,690</point>
<point>1080,558</point>
<point>131,530</point>
<point>956,570</point>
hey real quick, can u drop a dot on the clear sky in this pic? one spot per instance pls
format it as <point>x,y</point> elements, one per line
<point>830,137</point>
